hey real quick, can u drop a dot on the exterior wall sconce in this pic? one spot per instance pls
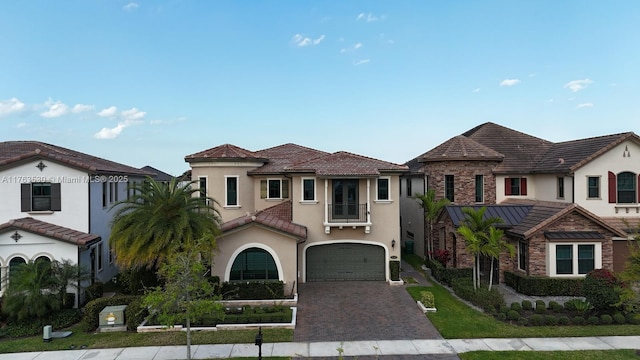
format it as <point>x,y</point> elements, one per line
<point>393,243</point>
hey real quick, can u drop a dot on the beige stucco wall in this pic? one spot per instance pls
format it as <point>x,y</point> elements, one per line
<point>412,214</point>
<point>281,247</point>
<point>614,161</point>
<point>216,173</point>
<point>385,218</point>
<point>545,187</point>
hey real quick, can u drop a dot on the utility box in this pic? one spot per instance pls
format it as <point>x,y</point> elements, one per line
<point>112,319</point>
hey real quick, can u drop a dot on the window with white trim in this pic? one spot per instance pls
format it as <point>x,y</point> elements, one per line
<point>515,186</point>
<point>593,187</point>
<point>560,187</point>
<point>382,186</point>
<point>522,255</point>
<point>479,189</point>
<point>274,189</point>
<point>231,191</point>
<point>574,259</point>
<point>308,189</point>
<point>40,197</point>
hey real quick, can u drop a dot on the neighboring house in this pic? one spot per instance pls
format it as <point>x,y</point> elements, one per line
<point>55,205</point>
<point>157,175</point>
<point>596,179</point>
<point>297,214</point>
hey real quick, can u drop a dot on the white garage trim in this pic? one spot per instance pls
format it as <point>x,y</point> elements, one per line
<point>329,242</point>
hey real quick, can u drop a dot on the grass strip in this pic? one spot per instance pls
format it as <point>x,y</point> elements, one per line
<point>550,355</point>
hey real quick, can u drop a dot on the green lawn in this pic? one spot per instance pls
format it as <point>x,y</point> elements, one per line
<point>455,320</point>
<point>560,355</point>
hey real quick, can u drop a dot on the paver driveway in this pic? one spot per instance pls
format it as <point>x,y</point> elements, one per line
<point>359,310</point>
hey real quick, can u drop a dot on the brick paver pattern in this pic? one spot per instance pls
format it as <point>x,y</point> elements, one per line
<point>359,310</point>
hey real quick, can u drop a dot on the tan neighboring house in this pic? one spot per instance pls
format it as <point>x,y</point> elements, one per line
<point>297,214</point>
<point>568,207</point>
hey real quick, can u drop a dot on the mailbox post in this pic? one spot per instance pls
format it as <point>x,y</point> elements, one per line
<point>259,342</point>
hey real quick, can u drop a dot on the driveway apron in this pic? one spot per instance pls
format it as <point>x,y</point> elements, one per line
<point>359,310</point>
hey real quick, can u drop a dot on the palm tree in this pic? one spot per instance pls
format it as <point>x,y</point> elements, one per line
<point>474,247</point>
<point>494,245</point>
<point>159,219</point>
<point>67,274</point>
<point>432,208</point>
<point>30,293</point>
<point>476,228</point>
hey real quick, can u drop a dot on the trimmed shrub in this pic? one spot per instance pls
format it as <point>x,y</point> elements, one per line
<point>551,320</point>
<point>394,270</point>
<point>481,297</point>
<point>93,291</point>
<point>599,289</point>
<point>427,299</point>
<point>536,320</point>
<point>606,319</point>
<point>555,307</point>
<point>513,315</point>
<point>254,290</point>
<point>578,320</point>
<point>543,286</point>
<point>502,316</point>
<point>527,305</point>
<point>541,307</point>
<point>633,319</point>
<point>135,313</point>
<point>60,320</point>
<point>619,318</point>
<point>523,321</point>
<point>593,320</point>
<point>504,309</point>
<point>516,307</point>
<point>563,320</point>
<point>92,309</point>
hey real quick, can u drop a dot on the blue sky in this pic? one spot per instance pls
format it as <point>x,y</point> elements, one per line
<point>148,82</point>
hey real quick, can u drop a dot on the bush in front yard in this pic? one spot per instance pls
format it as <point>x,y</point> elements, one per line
<point>481,297</point>
<point>92,309</point>
<point>599,289</point>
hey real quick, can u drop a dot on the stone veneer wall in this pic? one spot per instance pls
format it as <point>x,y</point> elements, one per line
<point>464,173</point>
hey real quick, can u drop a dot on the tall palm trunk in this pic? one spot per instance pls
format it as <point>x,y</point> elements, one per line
<point>491,275</point>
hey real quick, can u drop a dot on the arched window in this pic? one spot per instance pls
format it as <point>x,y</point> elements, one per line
<point>14,263</point>
<point>626,188</point>
<point>253,264</point>
<point>43,258</point>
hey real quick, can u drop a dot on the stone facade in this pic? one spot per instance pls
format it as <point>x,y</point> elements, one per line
<point>464,173</point>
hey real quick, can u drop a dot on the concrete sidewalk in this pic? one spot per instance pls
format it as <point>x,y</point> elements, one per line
<point>385,348</point>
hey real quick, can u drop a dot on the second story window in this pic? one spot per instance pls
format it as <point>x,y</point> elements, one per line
<point>409,193</point>
<point>274,189</point>
<point>231,191</point>
<point>202,186</point>
<point>561,187</point>
<point>40,197</point>
<point>308,189</point>
<point>383,189</point>
<point>479,198</point>
<point>515,186</point>
<point>593,187</point>
<point>449,185</point>
<point>626,182</point>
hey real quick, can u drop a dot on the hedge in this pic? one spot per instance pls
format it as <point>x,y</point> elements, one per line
<point>59,320</point>
<point>543,286</point>
<point>447,275</point>
<point>394,269</point>
<point>91,311</point>
<point>254,290</point>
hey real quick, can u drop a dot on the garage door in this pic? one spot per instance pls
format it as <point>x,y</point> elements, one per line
<point>338,262</point>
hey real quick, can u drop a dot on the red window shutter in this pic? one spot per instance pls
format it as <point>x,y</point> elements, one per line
<point>507,186</point>
<point>612,188</point>
<point>523,186</point>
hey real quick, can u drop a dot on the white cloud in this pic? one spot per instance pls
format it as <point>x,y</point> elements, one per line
<point>577,85</point>
<point>360,62</point>
<point>131,6</point>
<point>584,105</point>
<point>21,125</point>
<point>12,105</point>
<point>357,46</point>
<point>368,17</point>
<point>78,108</point>
<point>56,109</point>
<point>476,90</point>
<point>130,117</point>
<point>301,41</point>
<point>108,112</point>
<point>509,82</point>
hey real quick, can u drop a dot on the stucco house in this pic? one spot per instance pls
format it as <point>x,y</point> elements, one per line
<point>297,214</point>
<point>55,205</point>
<point>577,201</point>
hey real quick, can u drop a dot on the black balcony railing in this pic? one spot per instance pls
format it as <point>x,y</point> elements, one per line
<point>347,213</point>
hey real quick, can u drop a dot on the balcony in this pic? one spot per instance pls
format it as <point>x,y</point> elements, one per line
<point>353,215</point>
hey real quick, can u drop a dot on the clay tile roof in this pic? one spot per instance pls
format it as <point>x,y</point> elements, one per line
<point>277,217</point>
<point>521,151</point>
<point>284,156</point>
<point>568,156</point>
<point>460,148</point>
<point>347,164</point>
<point>50,230</point>
<point>16,151</point>
<point>226,152</point>
<point>158,175</point>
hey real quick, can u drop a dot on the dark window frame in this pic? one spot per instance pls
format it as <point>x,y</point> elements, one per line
<point>383,190</point>
<point>449,187</point>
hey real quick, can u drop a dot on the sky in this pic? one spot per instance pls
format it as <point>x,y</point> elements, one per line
<point>148,82</point>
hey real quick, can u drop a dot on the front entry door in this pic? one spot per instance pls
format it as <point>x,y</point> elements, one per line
<point>345,198</point>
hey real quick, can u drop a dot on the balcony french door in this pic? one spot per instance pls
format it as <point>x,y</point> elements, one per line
<point>345,199</point>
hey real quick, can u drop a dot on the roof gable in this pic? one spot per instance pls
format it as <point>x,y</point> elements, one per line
<point>343,163</point>
<point>226,152</point>
<point>277,217</point>
<point>461,148</point>
<point>14,152</point>
<point>52,231</point>
<point>158,174</point>
<point>285,156</point>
